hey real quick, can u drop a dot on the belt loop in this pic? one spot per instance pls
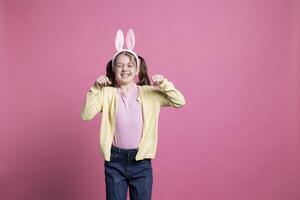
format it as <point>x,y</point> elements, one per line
<point>128,156</point>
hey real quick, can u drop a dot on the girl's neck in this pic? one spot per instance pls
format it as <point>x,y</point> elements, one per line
<point>127,87</point>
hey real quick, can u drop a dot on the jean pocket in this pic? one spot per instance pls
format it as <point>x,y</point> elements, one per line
<point>114,156</point>
<point>146,162</point>
<point>115,153</point>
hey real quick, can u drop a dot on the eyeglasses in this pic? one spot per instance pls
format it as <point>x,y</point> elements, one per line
<point>129,65</point>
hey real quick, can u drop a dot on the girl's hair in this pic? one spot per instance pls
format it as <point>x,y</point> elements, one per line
<point>143,74</point>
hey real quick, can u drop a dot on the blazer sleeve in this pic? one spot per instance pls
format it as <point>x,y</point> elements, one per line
<point>169,96</point>
<point>93,102</point>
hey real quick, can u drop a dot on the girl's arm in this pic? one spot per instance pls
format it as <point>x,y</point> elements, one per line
<point>93,102</point>
<point>169,95</point>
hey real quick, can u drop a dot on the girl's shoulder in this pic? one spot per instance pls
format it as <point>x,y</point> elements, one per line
<point>146,87</point>
<point>109,90</point>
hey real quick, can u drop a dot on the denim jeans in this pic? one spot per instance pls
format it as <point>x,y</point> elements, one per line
<point>123,171</point>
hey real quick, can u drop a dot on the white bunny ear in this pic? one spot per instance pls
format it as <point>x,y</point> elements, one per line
<point>119,42</point>
<point>130,40</point>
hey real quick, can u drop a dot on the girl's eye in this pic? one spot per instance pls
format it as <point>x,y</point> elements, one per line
<point>120,66</point>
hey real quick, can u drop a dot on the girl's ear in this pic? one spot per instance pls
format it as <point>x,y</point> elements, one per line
<point>119,41</point>
<point>130,39</point>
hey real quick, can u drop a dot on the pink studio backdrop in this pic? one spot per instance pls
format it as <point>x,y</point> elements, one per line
<point>236,62</point>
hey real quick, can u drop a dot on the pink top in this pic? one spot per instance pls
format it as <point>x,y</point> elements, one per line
<point>129,119</point>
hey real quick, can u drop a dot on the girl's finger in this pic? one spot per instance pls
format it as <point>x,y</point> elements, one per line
<point>154,78</point>
<point>158,78</point>
<point>108,81</point>
<point>155,81</point>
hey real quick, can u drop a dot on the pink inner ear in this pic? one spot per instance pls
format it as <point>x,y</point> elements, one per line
<point>130,40</point>
<point>119,42</point>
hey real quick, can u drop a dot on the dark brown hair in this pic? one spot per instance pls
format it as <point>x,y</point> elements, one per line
<point>143,74</point>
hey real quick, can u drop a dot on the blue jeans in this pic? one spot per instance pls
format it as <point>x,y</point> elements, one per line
<point>123,171</point>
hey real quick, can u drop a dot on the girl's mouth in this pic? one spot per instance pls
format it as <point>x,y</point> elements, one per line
<point>125,75</point>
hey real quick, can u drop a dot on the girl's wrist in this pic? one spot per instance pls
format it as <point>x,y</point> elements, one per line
<point>163,83</point>
<point>97,85</point>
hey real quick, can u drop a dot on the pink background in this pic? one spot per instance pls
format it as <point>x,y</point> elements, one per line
<point>236,62</point>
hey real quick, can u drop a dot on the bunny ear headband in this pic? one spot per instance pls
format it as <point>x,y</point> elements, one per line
<point>130,42</point>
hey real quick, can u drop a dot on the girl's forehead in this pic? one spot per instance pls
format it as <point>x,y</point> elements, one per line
<point>124,62</point>
<point>123,59</point>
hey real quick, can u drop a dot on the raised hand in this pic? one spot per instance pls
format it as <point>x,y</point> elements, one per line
<point>103,81</point>
<point>157,79</point>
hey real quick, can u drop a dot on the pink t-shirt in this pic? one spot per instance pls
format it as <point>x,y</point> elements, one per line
<point>129,119</point>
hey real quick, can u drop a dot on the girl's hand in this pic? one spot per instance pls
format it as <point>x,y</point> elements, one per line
<point>103,81</point>
<point>157,79</point>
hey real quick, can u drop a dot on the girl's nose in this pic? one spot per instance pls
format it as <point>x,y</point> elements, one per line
<point>124,68</point>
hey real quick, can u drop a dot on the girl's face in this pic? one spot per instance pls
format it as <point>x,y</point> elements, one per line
<point>125,70</point>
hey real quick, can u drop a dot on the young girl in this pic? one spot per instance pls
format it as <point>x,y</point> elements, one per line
<point>130,109</point>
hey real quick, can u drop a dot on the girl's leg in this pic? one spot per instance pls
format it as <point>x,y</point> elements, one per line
<point>115,180</point>
<point>141,179</point>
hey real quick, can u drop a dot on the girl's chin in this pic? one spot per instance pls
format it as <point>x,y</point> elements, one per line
<point>125,78</point>
<point>125,81</point>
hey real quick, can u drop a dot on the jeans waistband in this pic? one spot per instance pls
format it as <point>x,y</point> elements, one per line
<point>119,150</point>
